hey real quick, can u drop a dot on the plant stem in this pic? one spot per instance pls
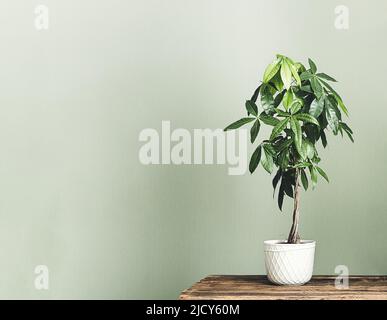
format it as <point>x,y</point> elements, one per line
<point>294,237</point>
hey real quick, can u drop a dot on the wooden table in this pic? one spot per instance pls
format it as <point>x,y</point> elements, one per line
<point>244,287</point>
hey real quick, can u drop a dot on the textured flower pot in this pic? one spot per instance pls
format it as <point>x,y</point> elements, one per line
<point>289,264</point>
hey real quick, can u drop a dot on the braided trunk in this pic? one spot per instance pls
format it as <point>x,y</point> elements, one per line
<point>294,237</point>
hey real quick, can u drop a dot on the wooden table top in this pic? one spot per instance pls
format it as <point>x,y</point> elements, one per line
<point>247,287</point>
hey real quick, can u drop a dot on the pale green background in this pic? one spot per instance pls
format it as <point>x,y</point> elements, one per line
<point>73,195</point>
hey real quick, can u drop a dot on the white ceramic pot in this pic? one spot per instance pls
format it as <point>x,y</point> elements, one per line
<point>289,264</point>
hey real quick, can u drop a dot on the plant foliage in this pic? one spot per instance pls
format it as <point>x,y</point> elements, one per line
<point>300,106</point>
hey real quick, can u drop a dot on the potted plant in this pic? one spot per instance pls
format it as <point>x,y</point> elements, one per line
<point>301,106</point>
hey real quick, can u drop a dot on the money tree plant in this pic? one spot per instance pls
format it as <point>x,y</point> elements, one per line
<point>301,106</point>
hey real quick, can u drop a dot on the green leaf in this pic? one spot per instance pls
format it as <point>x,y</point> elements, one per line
<point>296,128</point>
<point>284,144</point>
<point>267,100</point>
<point>255,158</point>
<point>283,159</point>
<point>347,130</point>
<point>267,159</point>
<point>313,176</point>
<point>346,127</point>
<point>272,89</point>
<point>294,72</point>
<point>312,65</point>
<point>268,119</point>
<point>287,186</point>
<point>316,87</point>
<point>323,138</point>
<point>316,107</point>
<point>271,70</point>
<point>281,195</point>
<point>282,113</point>
<point>277,82</point>
<point>342,105</point>
<point>325,76</point>
<point>302,164</point>
<point>331,100</point>
<point>276,179</point>
<point>304,179</point>
<point>329,88</point>
<point>349,136</point>
<point>286,74</point>
<point>331,116</point>
<point>341,130</point>
<point>299,67</point>
<point>338,98</point>
<point>290,61</point>
<point>256,93</point>
<point>287,99</point>
<point>269,148</point>
<point>254,130</point>
<point>239,123</point>
<point>312,132</point>
<point>307,88</point>
<point>279,128</point>
<point>306,75</point>
<point>308,149</point>
<point>295,106</point>
<point>307,118</point>
<point>251,108</point>
<point>278,98</point>
<point>322,173</point>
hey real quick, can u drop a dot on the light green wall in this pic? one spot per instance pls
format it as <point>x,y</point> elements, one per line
<point>73,99</point>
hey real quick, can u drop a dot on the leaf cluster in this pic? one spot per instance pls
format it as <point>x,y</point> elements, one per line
<point>301,107</point>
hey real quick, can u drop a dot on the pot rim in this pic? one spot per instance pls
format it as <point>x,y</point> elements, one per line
<point>274,245</point>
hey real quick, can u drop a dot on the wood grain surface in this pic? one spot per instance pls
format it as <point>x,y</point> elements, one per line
<point>248,287</point>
